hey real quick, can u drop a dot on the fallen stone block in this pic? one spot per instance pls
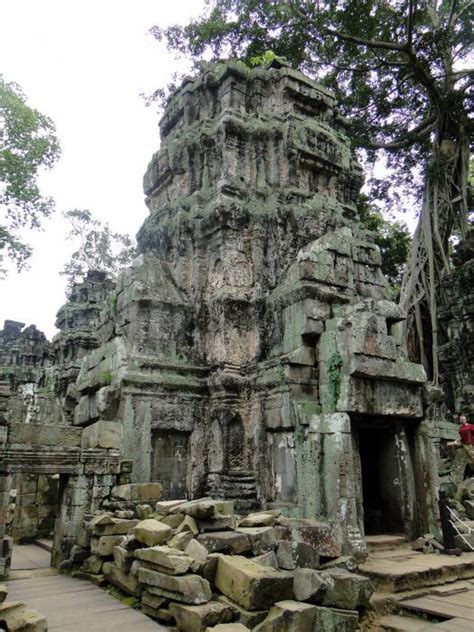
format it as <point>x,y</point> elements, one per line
<point>166,559</point>
<point>138,491</point>
<point>250,618</point>
<point>123,559</point>
<point>205,508</point>
<point>231,542</point>
<point>252,586</point>
<point>260,519</point>
<point>152,532</point>
<point>104,545</point>
<point>152,601</point>
<point>294,616</point>
<point>291,555</point>
<point>309,585</point>
<point>218,523</point>
<point>197,552</point>
<point>188,524</point>
<point>267,559</point>
<point>346,590</point>
<point>325,538</point>
<point>228,627</point>
<point>16,617</point>
<point>126,582</point>
<point>116,526</point>
<point>346,562</point>
<point>172,520</point>
<point>262,539</point>
<point>166,506</point>
<point>191,589</point>
<point>95,578</point>
<point>198,618</point>
<point>181,540</point>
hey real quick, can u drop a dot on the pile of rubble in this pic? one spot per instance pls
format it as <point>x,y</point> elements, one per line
<point>16,617</point>
<point>195,564</point>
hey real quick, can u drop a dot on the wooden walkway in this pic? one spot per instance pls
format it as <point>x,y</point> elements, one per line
<point>70,605</point>
<point>455,606</point>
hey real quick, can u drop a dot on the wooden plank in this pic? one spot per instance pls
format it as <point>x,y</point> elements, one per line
<point>437,607</point>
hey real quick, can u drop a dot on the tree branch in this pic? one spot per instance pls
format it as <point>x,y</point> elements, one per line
<point>411,12</point>
<point>405,139</point>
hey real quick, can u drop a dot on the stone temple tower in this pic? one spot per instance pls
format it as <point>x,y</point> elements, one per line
<point>251,351</point>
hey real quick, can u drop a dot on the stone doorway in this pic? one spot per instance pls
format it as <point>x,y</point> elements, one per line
<point>170,462</point>
<point>387,484</point>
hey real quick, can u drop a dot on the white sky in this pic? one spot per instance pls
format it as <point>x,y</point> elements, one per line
<point>84,64</point>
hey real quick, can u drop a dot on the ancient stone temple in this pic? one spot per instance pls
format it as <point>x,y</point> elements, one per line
<point>251,351</point>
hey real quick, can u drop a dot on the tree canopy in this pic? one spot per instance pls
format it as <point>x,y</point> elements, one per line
<point>28,143</point>
<point>399,71</point>
<point>99,248</point>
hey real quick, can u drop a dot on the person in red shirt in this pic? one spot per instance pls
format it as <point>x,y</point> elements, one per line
<point>466,431</point>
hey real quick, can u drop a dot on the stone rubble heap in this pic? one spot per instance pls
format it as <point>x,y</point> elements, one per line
<point>195,564</point>
<point>16,617</point>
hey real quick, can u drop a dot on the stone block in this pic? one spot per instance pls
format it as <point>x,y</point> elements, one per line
<point>123,559</point>
<point>181,540</point>
<point>217,524</point>
<point>190,589</point>
<point>188,524</point>
<point>198,618</point>
<point>197,551</point>
<point>228,627</point>
<point>17,617</point>
<point>165,506</point>
<point>230,542</point>
<point>262,539</point>
<point>205,508</point>
<point>260,519</point>
<point>309,585</point>
<point>294,616</point>
<point>325,538</point>
<point>117,526</point>
<point>291,555</point>
<point>93,564</point>
<point>102,434</point>
<point>138,491</point>
<point>251,585</point>
<point>126,582</point>
<point>249,618</point>
<point>104,545</point>
<point>152,532</point>
<point>346,590</point>
<point>165,559</point>
<point>3,593</point>
<point>267,559</point>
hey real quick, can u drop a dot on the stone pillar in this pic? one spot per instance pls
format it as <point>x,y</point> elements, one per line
<point>73,502</point>
<point>426,478</point>
<point>5,541</point>
<point>326,471</point>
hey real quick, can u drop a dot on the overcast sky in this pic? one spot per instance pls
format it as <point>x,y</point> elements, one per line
<point>84,64</point>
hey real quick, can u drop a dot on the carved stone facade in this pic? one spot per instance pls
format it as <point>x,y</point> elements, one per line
<point>250,351</point>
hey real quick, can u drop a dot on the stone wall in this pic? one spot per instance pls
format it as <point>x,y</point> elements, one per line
<point>252,343</point>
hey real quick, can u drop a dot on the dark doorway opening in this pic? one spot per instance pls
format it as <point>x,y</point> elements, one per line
<point>381,488</point>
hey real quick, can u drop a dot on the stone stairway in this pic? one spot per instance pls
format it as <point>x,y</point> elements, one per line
<point>385,542</point>
<point>236,485</point>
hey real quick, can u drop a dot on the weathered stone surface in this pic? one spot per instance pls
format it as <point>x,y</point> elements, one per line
<point>3,593</point>
<point>126,582</point>
<point>205,508</point>
<point>346,590</point>
<point>197,551</point>
<point>228,627</point>
<point>267,559</point>
<point>262,539</point>
<point>260,519</point>
<point>165,506</point>
<point>138,491</point>
<point>319,535</point>
<point>104,545</point>
<point>293,616</point>
<point>309,585</point>
<point>252,586</point>
<point>291,555</point>
<point>198,618</point>
<point>17,617</point>
<point>289,616</point>
<point>93,564</point>
<point>117,526</point>
<point>152,532</point>
<point>225,542</point>
<point>190,589</point>
<point>181,540</point>
<point>123,559</point>
<point>102,434</point>
<point>166,559</point>
<point>249,618</point>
